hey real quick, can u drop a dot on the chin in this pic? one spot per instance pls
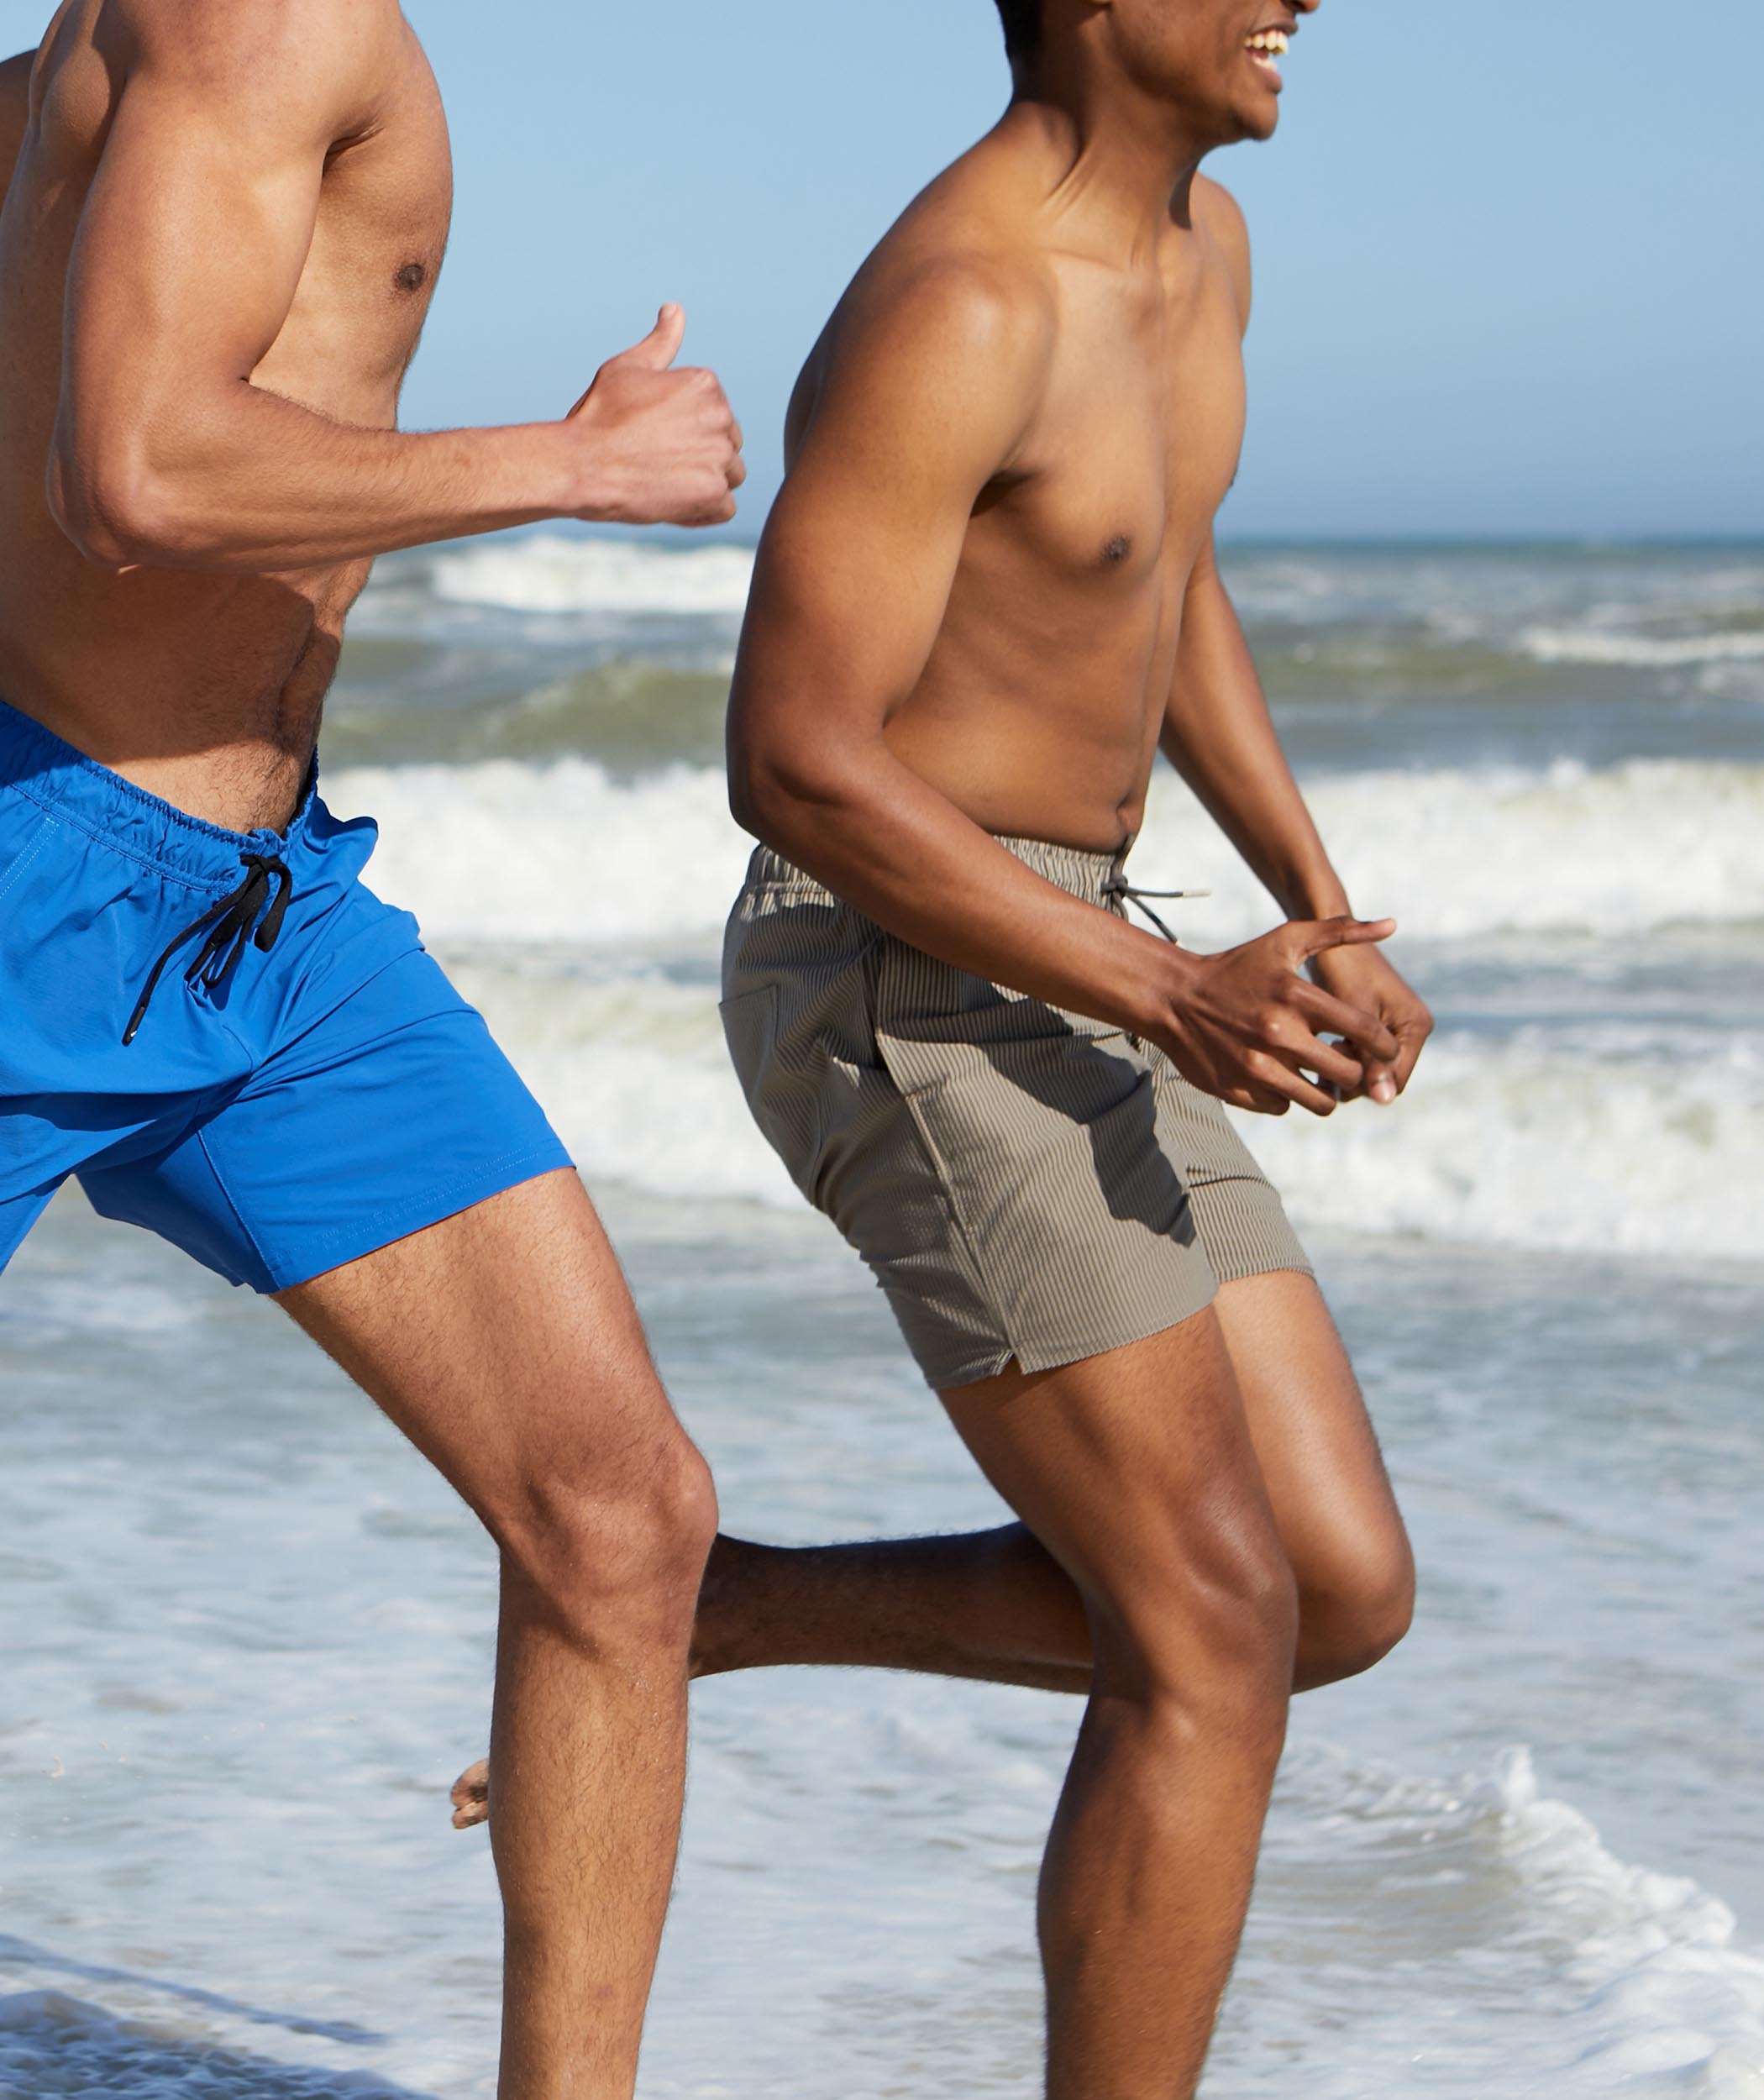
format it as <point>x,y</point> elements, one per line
<point>1260,120</point>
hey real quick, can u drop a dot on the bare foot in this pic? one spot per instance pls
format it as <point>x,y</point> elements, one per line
<point>471,1796</point>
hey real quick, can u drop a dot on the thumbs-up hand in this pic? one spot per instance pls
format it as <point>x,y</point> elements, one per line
<point>652,446</point>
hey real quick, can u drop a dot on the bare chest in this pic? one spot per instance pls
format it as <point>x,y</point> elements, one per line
<point>1137,445</point>
<point>371,271</point>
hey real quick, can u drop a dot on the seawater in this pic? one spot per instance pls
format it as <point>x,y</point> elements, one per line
<point>249,1632</point>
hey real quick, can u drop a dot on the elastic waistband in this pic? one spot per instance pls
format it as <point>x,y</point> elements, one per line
<point>1069,867</point>
<point>80,791</point>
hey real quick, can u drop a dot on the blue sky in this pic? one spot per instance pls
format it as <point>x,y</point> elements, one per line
<point>1507,256</point>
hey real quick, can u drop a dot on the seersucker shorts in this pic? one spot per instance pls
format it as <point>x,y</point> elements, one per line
<point>1027,1184</point>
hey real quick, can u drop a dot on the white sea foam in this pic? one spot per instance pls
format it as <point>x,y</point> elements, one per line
<point>1546,1138</point>
<point>1642,652</point>
<point>1581,1974</point>
<point>508,851</point>
<point>562,851</point>
<point>1605,1140</point>
<point>548,573</point>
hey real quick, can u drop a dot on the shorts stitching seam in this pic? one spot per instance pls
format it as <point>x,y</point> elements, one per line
<point>439,1194</point>
<point>71,759</point>
<point>29,852</point>
<point>938,1167</point>
<point>59,813</point>
<point>220,1183</point>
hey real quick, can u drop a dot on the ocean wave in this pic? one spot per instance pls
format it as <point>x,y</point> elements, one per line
<point>563,851</point>
<point>1534,1960</point>
<point>1607,1141</point>
<point>1545,1139</point>
<point>548,573</point>
<point>55,2047</point>
<point>1641,652</point>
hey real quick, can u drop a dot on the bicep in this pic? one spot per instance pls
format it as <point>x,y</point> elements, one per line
<point>196,227</point>
<point>860,553</point>
<point>854,573</point>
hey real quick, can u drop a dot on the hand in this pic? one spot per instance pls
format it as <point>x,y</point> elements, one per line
<point>1366,979</point>
<point>1244,1026</point>
<point>654,446</point>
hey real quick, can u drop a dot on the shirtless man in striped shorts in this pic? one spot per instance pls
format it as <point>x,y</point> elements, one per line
<point>986,597</point>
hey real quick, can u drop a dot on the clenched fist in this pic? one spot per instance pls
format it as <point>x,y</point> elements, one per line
<point>653,446</point>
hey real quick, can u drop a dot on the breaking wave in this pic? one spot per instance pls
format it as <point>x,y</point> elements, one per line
<point>565,851</point>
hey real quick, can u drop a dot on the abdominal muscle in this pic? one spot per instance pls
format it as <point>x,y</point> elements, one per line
<point>1033,736</point>
<point>204,691</point>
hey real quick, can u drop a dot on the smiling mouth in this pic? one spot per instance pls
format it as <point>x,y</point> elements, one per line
<point>1267,48</point>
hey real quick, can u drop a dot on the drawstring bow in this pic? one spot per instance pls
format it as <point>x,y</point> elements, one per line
<point>229,925</point>
<point>1117,885</point>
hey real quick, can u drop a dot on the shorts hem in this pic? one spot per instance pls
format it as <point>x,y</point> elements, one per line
<point>1061,1356</point>
<point>1245,1228</point>
<point>337,1250</point>
<point>1240,1272</point>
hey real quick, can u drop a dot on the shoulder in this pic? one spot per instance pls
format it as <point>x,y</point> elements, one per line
<point>286,56</point>
<point>1218,214</point>
<point>944,291</point>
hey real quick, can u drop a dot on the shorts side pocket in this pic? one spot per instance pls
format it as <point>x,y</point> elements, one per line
<point>24,826</point>
<point>781,1103</point>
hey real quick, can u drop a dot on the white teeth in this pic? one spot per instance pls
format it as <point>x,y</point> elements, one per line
<point>1276,42</point>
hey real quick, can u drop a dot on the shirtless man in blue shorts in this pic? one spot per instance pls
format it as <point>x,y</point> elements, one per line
<point>221,232</point>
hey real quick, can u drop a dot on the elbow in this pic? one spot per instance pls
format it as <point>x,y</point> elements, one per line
<point>784,798</point>
<point>117,512</point>
<point>758,801</point>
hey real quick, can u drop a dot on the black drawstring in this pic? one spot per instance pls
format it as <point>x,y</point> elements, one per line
<point>229,923</point>
<point>1117,885</point>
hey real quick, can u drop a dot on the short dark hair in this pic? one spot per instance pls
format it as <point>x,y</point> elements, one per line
<point>1022,27</point>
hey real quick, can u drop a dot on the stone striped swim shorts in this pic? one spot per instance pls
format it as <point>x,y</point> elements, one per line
<point>1028,1185</point>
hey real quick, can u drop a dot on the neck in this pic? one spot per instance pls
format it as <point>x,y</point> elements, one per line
<point>1130,159</point>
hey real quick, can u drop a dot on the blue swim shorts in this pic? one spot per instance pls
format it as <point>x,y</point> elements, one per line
<point>226,1035</point>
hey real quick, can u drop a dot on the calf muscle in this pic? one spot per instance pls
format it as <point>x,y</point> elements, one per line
<point>1137,1472</point>
<point>504,1343</point>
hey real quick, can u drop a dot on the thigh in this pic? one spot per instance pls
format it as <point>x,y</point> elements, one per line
<point>1138,1472</point>
<point>1314,1444</point>
<point>503,1341</point>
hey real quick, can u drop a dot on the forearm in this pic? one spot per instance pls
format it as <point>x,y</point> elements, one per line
<point>1220,735</point>
<point>883,839</point>
<point>259,483</point>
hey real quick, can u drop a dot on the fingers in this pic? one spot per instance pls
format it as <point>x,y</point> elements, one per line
<point>1287,1085</point>
<point>661,345</point>
<point>1369,1031</point>
<point>1285,1037</point>
<point>1311,937</point>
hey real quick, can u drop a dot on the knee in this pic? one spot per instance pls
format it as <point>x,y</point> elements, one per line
<point>1210,1641</point>
<point>616,1553</point>
<point>1354,1613</point>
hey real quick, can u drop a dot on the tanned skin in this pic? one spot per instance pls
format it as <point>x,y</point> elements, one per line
<point>985,599</point>
<point>221,231</point>
<point>226,225</point>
